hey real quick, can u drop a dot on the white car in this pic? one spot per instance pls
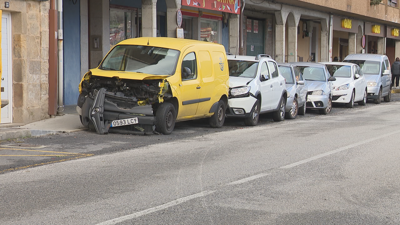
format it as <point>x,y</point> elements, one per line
<point>350,85</point>
<point>255,86</point>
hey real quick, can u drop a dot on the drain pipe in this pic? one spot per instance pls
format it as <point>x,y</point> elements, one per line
<point>60,108</point>
<point>52,59</point>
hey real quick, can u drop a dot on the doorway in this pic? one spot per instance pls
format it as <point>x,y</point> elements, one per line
<point>6,79</point>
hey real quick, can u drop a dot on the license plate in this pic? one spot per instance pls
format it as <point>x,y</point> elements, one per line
<point>124,122</point>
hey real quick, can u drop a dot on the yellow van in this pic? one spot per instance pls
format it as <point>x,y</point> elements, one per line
<point>147,84</point>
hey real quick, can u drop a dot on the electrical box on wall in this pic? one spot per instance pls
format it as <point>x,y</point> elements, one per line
<point>95,44</point>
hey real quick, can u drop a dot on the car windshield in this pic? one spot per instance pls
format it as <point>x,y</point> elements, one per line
<point>312,73</point>
<point>367,67</point>
<point>141,59</point>
<point>287,74</point>
<point>339,70</point>
<point>238,68</point>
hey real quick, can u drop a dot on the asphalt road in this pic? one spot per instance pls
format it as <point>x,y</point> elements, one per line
<point>336,169</point>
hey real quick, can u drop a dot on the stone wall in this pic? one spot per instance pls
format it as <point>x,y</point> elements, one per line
<point>30,55</point>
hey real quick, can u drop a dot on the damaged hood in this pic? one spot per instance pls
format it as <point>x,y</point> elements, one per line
<point>127,75</point>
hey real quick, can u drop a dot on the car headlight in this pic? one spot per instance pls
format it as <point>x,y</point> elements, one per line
<point>371,84</point>
<point>318,92</point>
<point>343,87</point>
<point>240,91</point>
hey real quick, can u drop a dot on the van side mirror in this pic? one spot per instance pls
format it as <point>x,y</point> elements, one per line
<point>332,79</point>
<point>386,72</point>
<point>356,76</point>
<point>264,77</point>
<point>300,82</point>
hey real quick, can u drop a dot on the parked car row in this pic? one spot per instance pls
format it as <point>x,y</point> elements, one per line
<point>146,85</point>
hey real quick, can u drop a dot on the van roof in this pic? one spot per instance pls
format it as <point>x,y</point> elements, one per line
<point>166,42</point>
<point>373,57</point>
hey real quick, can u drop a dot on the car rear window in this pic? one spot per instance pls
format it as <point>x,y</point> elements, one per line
<point>339,70</point>
<point>287,74</point>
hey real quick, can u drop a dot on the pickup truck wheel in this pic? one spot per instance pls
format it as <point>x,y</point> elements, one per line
<point>217,120</point>
<point>165,118</point>
<point>252,120</point>
<point>279,115</point>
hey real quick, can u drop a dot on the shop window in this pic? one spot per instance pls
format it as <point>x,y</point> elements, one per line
<point>392,3</point>
<point>209,31</point>
<point>121,25</point>
<point>187,28</point>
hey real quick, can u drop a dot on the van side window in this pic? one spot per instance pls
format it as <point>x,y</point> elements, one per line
<point>189,67</point>
<point>273,68</point>
<point>383,68</point>
<point>264,70</point>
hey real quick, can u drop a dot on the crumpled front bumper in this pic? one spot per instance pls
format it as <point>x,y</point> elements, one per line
<point>101,110</point>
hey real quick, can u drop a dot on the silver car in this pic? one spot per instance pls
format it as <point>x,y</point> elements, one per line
<point>319,85</point>
<point>296,90</point>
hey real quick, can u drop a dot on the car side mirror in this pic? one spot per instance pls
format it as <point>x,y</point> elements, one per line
<point>356,76</point>
<point>186,72</point>
<point>264,77</point>
<point>386,72</point>
<point>300,82</point>
<point>332,79</point>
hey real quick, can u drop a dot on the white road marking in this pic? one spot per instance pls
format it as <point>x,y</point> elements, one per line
<point>241,181</point>
<point>337,150</point>
<point>157,208</point>
<point>247,179</point>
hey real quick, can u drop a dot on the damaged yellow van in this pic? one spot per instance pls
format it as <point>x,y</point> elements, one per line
<point>147,84</point>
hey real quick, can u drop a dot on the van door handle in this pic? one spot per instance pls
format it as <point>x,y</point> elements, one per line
<point>198,87</point>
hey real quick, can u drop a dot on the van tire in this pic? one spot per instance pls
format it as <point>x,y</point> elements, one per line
<point>388,96</point>
<point>165,118</point>
<point>379,99</point>
<point>217,120</point>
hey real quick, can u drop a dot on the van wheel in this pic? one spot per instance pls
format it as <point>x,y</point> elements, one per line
<point>279,115</point>
<point>217,120</point>
<point>165,118</point>
<point>388,96</point>
<point>351,103</point>
<point>293,111</point>
<point>379,99</point>
<point>252,120</point>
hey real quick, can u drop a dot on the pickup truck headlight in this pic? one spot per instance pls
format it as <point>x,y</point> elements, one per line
<point>371,84</point>
<point>343,87</point>
<point>240,91</point>
<point>318,92</point>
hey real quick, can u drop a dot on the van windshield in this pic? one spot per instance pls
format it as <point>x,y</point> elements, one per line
<point>141,59</point>
<point>239,68</point>
<point>367,67</point>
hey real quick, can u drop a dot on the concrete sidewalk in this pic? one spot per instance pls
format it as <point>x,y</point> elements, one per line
<point>69,122</point>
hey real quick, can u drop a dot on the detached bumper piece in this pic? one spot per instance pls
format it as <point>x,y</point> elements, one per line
<point>106,110</point>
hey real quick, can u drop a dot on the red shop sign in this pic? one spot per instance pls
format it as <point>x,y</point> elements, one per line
<point>229,6</point>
